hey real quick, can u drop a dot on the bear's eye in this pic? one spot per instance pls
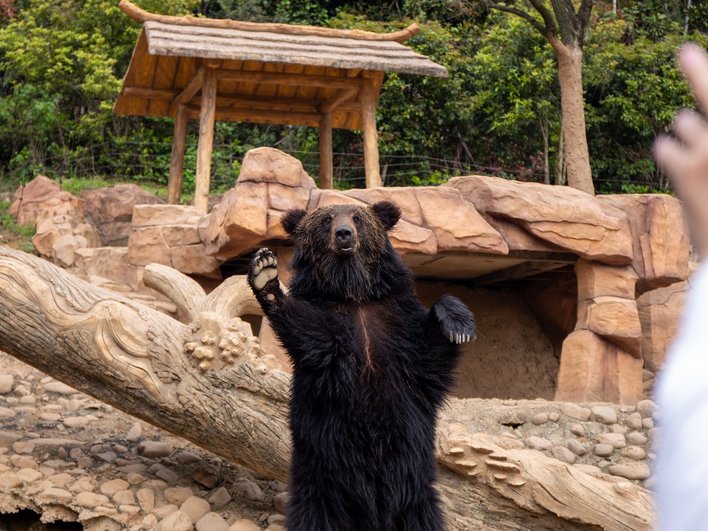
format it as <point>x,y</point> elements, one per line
<point>356,219</point>
<point>327,220</point>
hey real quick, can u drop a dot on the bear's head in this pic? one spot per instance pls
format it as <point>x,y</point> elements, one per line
<point>342,252</point>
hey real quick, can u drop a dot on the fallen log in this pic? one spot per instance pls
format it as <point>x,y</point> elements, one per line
<point>209,381</point>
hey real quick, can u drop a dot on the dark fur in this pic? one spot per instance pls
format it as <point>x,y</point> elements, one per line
<point>363,422</point>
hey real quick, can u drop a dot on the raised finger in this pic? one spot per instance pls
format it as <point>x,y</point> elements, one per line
<point>671,157</point>
<point>694,64</point>
<point>691,129</point>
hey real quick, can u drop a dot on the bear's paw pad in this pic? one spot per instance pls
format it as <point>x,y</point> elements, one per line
<point>263,269</point>
<point>456,321</point>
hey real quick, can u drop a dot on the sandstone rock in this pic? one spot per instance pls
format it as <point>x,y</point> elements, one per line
<point>576,447</point>
<point>111,210</point>
<point>636,437</point>
<point>168,235</point>
<point>206,478</point>
<point>135,432</point>
<point>195,508</point>
<point>613,318</point>
<point>563,454</point>
<point>111,263</point>
<point>638,471</point>
<point>538,443</point>
<point>59,237</point>
<point>660,237</point>
<point>165,215</point>
<point>124,497</point>
<point>176,521</point>
<point>600,280</point>
<point>578,429</point>
<point>244,525</point>
<point>177,495</point>
<point>646,408</point>
<point>633,421</point>
<point>154,449</point>
<point>212,522</point>
<point>616,440</point>
<point>6,383</point>
<point>150,522</point>
<point>53,495</point>
<point>604,414</point>
<point>59,388</point>
<point>221,497</point>
<point>247,489</point>
<point>603,450</point>
<point>164,511</point>
<point>7,413</point>
<point>575,411</point>
<point>593,370</point>
<point>562,216</point>
<point>146,499</point>
<point>9,480</point>
<point>30,197</point>
<point>634,452</point>
<point>539,418</point>
<point>29,475</point>
<point>280,502</point>
<point>269,165</point>
<point>90,499</point>
<point>659,314</point>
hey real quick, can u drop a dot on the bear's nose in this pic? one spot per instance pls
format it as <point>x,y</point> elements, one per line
<point>343,233</point>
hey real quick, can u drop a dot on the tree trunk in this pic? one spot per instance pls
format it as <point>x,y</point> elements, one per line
<point>210,382</point>
<point>570,77</point>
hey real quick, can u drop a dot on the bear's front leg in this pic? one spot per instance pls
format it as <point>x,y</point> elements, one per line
<point>263,279</point>
<point>454,318</point>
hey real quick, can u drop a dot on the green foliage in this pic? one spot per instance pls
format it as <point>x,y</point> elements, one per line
<point>498,112</point>
<point>8,223</point>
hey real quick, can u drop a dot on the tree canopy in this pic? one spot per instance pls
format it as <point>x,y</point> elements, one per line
<point>498,113</point>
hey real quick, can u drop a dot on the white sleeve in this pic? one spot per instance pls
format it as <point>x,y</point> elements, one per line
<point>682,396</point>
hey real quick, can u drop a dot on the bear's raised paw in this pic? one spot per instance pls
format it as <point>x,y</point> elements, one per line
<point>262,269</point>
<point>455,319</point>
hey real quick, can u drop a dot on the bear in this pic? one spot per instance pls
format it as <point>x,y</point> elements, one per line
<point>371,368</point>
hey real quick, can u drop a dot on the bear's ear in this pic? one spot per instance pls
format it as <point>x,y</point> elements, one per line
<point>387,212</point>
<point>291,219</point>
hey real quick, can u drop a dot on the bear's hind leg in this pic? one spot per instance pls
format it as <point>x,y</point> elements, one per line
<point>423,514</point>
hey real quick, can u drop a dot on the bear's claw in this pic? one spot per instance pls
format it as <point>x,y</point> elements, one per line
<point>263,269</point>
<point>455,319</point>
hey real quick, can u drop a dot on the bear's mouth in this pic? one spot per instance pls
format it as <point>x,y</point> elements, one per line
<point>345,249</point>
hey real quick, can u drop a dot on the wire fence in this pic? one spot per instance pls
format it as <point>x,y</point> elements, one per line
<point>148,163</point>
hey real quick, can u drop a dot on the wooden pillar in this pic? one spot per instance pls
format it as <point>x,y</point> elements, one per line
<point>371,136</point>
<point>326,165</point>
<point>207,114</point>
<point>179,137</point>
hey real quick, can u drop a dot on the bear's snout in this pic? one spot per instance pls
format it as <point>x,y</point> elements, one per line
<point>344,239</point>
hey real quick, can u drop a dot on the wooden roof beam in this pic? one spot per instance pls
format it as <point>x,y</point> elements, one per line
<point>191,89</point>
<point>337,101</point>
<point>282,78</point>
<point>261,115</point>
<point>141,15</point>
<point>298,105</point>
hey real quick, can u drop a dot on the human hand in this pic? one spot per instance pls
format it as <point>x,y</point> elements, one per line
<point>685,158</point>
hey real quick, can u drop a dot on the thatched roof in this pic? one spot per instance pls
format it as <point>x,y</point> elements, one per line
<point>268,73</point>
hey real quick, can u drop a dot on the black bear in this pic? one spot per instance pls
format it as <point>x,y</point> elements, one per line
<point>371,367</point>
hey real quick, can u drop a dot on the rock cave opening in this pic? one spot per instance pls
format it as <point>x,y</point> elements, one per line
<point>27,520</point>
<point>521,325</point>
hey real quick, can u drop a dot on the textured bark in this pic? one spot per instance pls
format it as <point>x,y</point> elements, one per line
<point>570,64</point>
<point>210,382</point>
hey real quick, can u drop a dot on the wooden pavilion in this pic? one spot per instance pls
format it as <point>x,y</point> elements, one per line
<point>208,69</point>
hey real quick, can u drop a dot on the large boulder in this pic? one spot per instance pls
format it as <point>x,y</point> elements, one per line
<point>59,237</point>
<point>660,242</point>
<point>40,199</point>
<point>111,210</point>
<point>168,235</point>
<point>561,216</point>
